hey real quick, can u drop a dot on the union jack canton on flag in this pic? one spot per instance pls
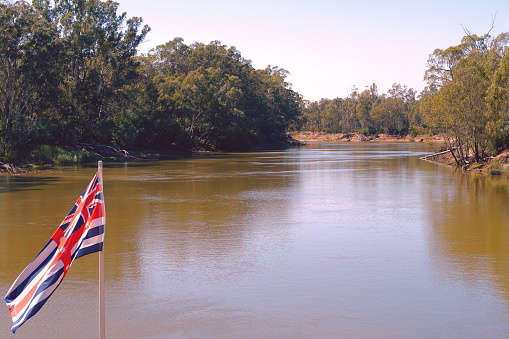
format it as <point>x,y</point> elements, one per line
<point>81,233</point>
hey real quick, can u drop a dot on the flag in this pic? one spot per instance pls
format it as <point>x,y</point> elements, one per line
<point>81,233</point>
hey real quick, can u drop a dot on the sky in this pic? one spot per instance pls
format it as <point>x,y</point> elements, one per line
<point>327,46</point>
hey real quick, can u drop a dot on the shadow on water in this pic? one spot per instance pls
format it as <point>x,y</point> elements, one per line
<point>145,163</point>
<point>24,183</point>
<point>126,164</point>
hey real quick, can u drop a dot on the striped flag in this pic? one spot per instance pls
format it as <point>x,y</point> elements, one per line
<point>81,233</point>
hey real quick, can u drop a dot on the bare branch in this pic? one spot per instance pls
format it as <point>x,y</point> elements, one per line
<point>493,19</point>
<point>467,32</point>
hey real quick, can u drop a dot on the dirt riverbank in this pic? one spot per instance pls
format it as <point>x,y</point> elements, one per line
<point>356,137</point>
<point>6,168</point>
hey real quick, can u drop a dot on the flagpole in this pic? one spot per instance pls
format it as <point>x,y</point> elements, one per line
<point>102,332</point>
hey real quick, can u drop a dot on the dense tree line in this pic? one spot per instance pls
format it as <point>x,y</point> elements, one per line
<point>466,101</point>
<point>368,112</point>
<point>206,96</point>
<point>69,73</point>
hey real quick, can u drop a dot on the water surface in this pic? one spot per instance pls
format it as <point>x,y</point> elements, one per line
<point>327,240</point>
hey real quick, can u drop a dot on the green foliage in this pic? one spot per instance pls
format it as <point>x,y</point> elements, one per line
<point>63,65</point>
<point>466,100</point>
<point>498,103</point>
<point>369,112</point>
<point>17,141</point>
<point>213,96</point>
<point>74,158</point>
<point>70,74</point>
<point>497,167</point>
<point>125,132</point>
<point>29,52</point>
<point>237,140</point>
<point>98,59</point>
<point>148,130</point>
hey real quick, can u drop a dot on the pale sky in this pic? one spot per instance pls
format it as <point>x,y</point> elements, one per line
<point>327,46</point>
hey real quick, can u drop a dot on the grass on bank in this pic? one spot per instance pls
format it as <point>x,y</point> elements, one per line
<point>47,154</point>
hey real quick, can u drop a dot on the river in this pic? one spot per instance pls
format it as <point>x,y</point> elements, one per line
<point>327,240</point>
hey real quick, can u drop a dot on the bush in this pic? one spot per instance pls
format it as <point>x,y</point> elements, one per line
<point>74,158</point>
<point>103,131</point>
<point>369,130</point>
<point>497,167</point>
<point>55,155</point>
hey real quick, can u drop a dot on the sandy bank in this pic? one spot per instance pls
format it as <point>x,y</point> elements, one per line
<point>356,137</point>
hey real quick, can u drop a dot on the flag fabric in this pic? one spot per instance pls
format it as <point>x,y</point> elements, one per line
<point>81,233</point>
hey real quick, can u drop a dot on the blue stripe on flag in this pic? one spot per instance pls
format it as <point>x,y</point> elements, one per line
<point>31,311</point>
<point>93,232</point>
<point>42,266</point>
<point>90,249</point>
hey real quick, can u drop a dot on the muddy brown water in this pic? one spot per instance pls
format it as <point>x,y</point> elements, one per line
<point>327,240</point>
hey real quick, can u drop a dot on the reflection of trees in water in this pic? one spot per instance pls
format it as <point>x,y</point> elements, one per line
<point>202,213</point>
<point>470,229</point>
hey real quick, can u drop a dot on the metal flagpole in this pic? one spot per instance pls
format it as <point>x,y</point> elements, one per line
<point>101,262</point>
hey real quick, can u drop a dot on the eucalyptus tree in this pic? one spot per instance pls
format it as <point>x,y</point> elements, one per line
<point>365,102</point>
<point>498,104</point>
<point>99,48</point>
<point>218,98</point>
<point>312,115</point>
<point>29,56</point>
<point>387,115</point>
<point>333,118</point>
<point>458,81</point>
<point>348,111</point>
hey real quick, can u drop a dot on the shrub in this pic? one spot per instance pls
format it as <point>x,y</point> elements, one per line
<point>52,154</point>
<point>74,158</point>
<point>497,167</point>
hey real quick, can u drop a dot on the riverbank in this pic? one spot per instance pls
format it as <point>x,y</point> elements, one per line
<point>357,137</point>
<point>6,168</point>
<point>498,165</point>
<point>495,165</point>
<point>45,157</point>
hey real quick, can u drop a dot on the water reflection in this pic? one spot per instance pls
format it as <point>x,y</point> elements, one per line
<point>190,213</point>
<point>328,240</point>
<point>23,183</point>
<point>470,234</point>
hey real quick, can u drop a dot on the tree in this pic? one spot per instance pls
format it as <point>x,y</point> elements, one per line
<point>458,80</point>
<point>29,53</point>
<point>100,46</point>
<point>387,114</point>
<point>365,102</point>
<point>312,115</point>
<point>498,104</point>
<point>217,98</point>
<point>333,116</point>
